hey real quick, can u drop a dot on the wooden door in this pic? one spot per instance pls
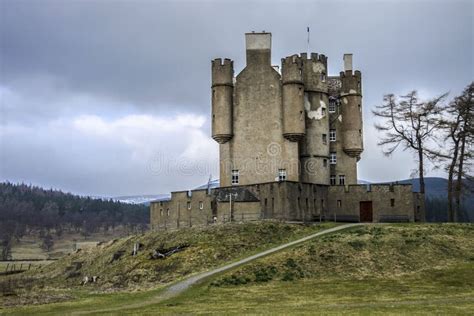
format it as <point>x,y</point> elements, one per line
<point>366,211</point>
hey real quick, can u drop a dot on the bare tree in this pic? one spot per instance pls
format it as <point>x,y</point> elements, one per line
<point>409,123</point>
<point>459,129</point>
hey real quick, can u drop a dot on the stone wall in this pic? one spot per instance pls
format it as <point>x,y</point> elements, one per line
<point>288,201</point>
<point>390,203</point>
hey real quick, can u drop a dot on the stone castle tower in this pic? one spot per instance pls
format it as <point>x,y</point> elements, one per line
<point>289,142</point>
<point>298,125</point>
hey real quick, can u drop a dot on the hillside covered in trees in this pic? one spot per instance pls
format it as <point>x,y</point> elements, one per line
<point>26,209</point>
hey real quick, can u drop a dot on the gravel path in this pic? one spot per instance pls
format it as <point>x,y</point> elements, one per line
<point>182,286</point>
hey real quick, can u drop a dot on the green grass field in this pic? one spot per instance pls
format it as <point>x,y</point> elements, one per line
<point>390,269</point>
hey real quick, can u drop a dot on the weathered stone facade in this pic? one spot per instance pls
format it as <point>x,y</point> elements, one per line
<point>289,143</point>
<point>286,201</point>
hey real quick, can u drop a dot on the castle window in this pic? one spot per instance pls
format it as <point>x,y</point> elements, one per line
<point>235,177</point>
<point>323,111</point>
<point>325,139</point>
<point>342,180</point>
<point>332,159</point>
<point>167,212</point>
<point>332,106</point>
<point>323,77</point>
<point>339,203</point>
<point>325,163</point>
<point>332,135</point>
<point>392,202</point>
<point>201,205</point>
<point>281,174</point>
<point>360,108</point>
<point>189,205</point>
<point>332,180</point>
<point>161,212</point>
<point>360,132</point>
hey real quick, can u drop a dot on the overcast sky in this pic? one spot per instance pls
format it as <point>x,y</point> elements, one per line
<point>112,97</point>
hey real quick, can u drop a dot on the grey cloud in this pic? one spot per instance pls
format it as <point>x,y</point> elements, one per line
<point>59,60</point>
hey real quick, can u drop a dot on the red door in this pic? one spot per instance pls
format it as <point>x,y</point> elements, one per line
<point>366,211</point>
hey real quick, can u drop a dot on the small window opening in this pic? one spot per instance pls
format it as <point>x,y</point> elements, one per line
<point>161,212</point>
<point>392,202</point>
<point>332,158</point>
<point>332,106</point>
<point>332,135</point>
<point>281,174</point>
<point>342,180</point>
<point>339,203</point>
<point>167,212</point>
<point>325,139</point>
<point>332,180</point>
<point>325,163</point>
<point>201,205</point>
<point>189,205</point>
<point>235,177</point>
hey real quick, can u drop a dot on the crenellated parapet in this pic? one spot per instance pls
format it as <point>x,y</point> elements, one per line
<point>315,72</point>
<point>351,82</point>
<point>291,70</point>
<point>222,72</point>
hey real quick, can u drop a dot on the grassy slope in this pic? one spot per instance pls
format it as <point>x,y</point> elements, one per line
<point>209,247</point>
<point>391,269</point>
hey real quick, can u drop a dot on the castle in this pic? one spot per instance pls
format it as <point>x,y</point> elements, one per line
<point>289,143</point>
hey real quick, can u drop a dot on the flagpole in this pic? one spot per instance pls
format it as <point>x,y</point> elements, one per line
<point>308,41</point>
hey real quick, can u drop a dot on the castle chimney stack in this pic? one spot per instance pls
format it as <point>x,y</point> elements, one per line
<point>258,47</point>
<point>348,62</point>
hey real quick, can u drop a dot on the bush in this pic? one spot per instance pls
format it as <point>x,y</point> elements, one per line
<point>265,274</point>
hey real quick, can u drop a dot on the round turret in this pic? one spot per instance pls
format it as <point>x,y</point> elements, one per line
<point>292,98</point>
<point>314,151</point>
<point>351,110</point>
<point>222,99</point>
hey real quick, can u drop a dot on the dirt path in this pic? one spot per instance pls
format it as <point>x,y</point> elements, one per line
<point>182,286</point>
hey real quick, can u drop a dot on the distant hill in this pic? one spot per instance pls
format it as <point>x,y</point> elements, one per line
<point>141,199</point>
<point>25,208</point>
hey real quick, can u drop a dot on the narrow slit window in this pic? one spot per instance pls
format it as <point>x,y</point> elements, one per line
<point>189,205</point>
<point>339,203</point>
<point>325,139</point>
<point>201,205</point>
<point>392,202</point>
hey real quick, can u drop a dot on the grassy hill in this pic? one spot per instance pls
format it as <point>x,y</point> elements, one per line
<point>381,269</point>
<point>118,270</point>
